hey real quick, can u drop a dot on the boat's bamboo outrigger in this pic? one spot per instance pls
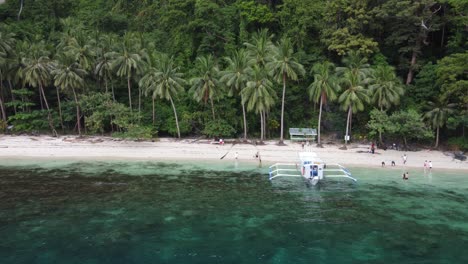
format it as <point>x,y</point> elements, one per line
<point>311,168</point>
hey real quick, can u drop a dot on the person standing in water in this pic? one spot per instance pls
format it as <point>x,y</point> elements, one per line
<point>430,165</point>
<point>405,176</point>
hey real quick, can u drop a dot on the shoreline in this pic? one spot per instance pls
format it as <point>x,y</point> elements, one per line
<point>71,148</point>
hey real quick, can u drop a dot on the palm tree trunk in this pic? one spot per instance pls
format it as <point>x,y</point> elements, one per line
<point>105,84</point>
<point>319,143</point>
<point>13,98</point>
<point>347,125</point>
<point>154,115</point>
<point>176,119</point>
<point>437,137</point>
<point>245,122</point>
<point>129,93</point>
<point>49,116</point>
<point>212,109</point>
<point>282,109</point>
<point>139,101</point>
<point>77,112</point>
<point>40,99</point>
<point>60,108</point>
<point>380,132</point>
<point>2,109</point>
<point>20,10</point>
<point>2,105</point>
<point>261,126</point>
<point>113,94</point>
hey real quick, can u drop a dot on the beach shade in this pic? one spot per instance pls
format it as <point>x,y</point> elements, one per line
<point>302,134</point>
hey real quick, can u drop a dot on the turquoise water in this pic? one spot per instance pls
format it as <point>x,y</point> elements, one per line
<point>147,212</point>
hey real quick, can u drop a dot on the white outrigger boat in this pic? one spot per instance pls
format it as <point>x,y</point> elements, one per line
<point>311,168</point>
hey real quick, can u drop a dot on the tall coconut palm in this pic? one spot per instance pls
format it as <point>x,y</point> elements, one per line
<point>386,88</point>
<point>355,74</point>
<point>37,73</point>
<point>323,89</point>
<point>103,70</point>
<point>437,115</point>
<point>82,49</point>
<point>354,97</point>
<point>285,66</point>
<point>236,75</point>
<point>206,85</point>
<point>259,95</point>
<point>148,83</point>
<point>69,76</point>
<point>166,81</point>
<point>126,64</point>
<point>7,42</point>
<point>260,47</point>
<point>104,58</point>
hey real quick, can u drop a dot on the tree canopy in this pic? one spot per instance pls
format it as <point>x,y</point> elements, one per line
<point>246,58</point>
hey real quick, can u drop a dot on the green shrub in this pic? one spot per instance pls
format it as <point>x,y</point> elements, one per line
<point>27,122</point>
<point>458,143</point>
<point>219,128</point>
<point>136,132</point>
<point>3,126</point>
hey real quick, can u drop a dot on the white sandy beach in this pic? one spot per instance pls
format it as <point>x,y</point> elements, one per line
<point>105,148</point>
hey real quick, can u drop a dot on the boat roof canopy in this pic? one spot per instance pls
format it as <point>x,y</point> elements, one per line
<point>309,156</point>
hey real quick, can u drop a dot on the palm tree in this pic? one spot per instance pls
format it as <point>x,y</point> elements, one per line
<point>150,79</point>
<point>37,73</point>
<point>438,114</point>
<point>7,41</point>
<point>323,88</point>
<point>126,64</point>
<point>284,66</point>
<point>354,96</point>
<point>261,47</point>
<point>354,78</point>
<point>386,88</point>
<point>206,84</point>
<point>69,77</point>
<point>236,75</point>
<point>165,81</point>
<point>259,95</point>
<point>103,67</point>
<point>103,70</point>
<point>81,48</point>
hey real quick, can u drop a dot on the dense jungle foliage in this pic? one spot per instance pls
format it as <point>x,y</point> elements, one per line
<point>384,70</point>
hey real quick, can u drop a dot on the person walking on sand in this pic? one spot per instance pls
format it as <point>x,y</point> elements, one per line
<point>236,155</point>
<point>404,159</point>
<point>372,148</point>
<point>425,165</point>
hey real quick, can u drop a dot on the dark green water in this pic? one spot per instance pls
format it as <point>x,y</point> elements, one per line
<point>144,212</point>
